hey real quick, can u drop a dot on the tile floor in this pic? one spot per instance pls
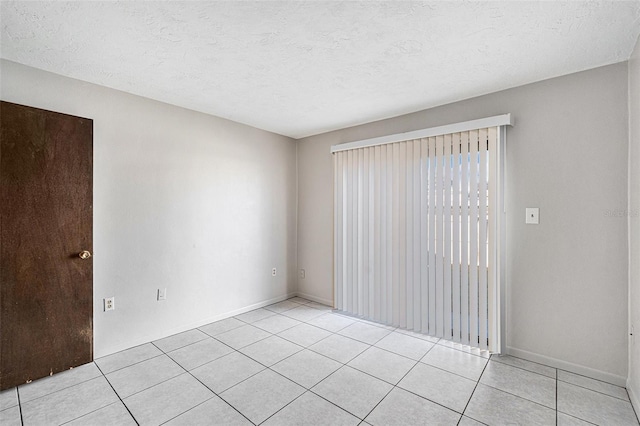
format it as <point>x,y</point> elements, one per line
<point>296,362</point>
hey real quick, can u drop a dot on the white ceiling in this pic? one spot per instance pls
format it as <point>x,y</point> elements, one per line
<point>302,68</point>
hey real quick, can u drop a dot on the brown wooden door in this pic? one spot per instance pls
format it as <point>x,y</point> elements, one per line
<point>46,289</point>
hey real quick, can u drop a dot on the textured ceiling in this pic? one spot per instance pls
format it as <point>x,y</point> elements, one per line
<point>302,68</point>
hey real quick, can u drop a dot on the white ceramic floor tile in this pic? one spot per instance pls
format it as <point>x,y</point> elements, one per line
<point>8,398</point>
<point>567,420</point>
<point>404,408</point>
<point>262,395</point>
<point>303,313</point>
<point>304,334</point>
<point>593,406</point>
<point>525,384</point>
<point>306,368</point>
<point>167,400</point>
<point>461,363</point>
<point>199,353</point>
<point>492,406</point>
<point>115,414</point>
<point>282,306</point>
<point>352,390</point>
<point>383,364</point>
<point>69,403</point>
<point>212,412</point>
<point>340,348</point>
<point>596,385</point>
<point>228,371</point>
<point>365,333</point>
<point>276,323</point>
<point>10,416</point>
<point>242,336</point>
<point>271,350</point>
<point>439,386</point>
<point>127,357</point>
<point>179,340</point>
<point>331,322</point>
<point>311,410</point>
<point>525,365</point>
<point>221,326</point>
<point>63,380</point>
<point>405,345</point>
<point>138,377</point>
<point>255,315</point>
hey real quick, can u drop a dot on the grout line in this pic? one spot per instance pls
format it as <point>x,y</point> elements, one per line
<point>574,417</point>
<point>586,377</point>
<point>474,388</point>
<point>192,408</point>
<point>19,405</point>
<point>286,405</point>
<point>118,395</point>
<point>450,372</point>
<point>526,369</point>
<point>517,396</point>
<point>498,356</point>
<point>222,332</point>
<point>556,397</point>
<point>66,387</point>
<point>597,391</point>
<point>632,407</point>
<point>131,365</point>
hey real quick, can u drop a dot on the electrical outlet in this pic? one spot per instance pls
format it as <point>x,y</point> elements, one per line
<point>162,294</point>
<point>274,272</point>
<point>302,273</point>
<point>109,304</point>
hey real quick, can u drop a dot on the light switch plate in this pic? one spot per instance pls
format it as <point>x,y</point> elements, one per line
<point>533,215</point>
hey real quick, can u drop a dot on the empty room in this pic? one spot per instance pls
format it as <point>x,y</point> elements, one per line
<point>319,212</point>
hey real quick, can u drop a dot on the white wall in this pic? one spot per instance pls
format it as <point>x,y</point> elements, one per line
<point>200,205</point>
<point>633,383</point>
<point>567,155</point>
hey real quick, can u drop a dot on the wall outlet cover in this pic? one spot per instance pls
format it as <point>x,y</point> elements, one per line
<point>109,304</point>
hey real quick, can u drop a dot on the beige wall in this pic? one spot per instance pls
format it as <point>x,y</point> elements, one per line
<point>633,384</point>
<point>567,155</point>
<point>200,205</point>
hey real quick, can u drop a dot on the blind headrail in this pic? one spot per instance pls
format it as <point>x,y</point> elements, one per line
<point>481,123</point>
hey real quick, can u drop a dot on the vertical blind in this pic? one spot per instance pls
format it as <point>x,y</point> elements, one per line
<point>415,234</point>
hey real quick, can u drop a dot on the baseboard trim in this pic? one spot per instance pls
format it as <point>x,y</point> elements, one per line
<point>315,298</point>
<point>568,366</point>
<point>185,327</point>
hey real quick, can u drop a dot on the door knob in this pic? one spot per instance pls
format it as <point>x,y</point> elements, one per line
<point>84,254</point>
